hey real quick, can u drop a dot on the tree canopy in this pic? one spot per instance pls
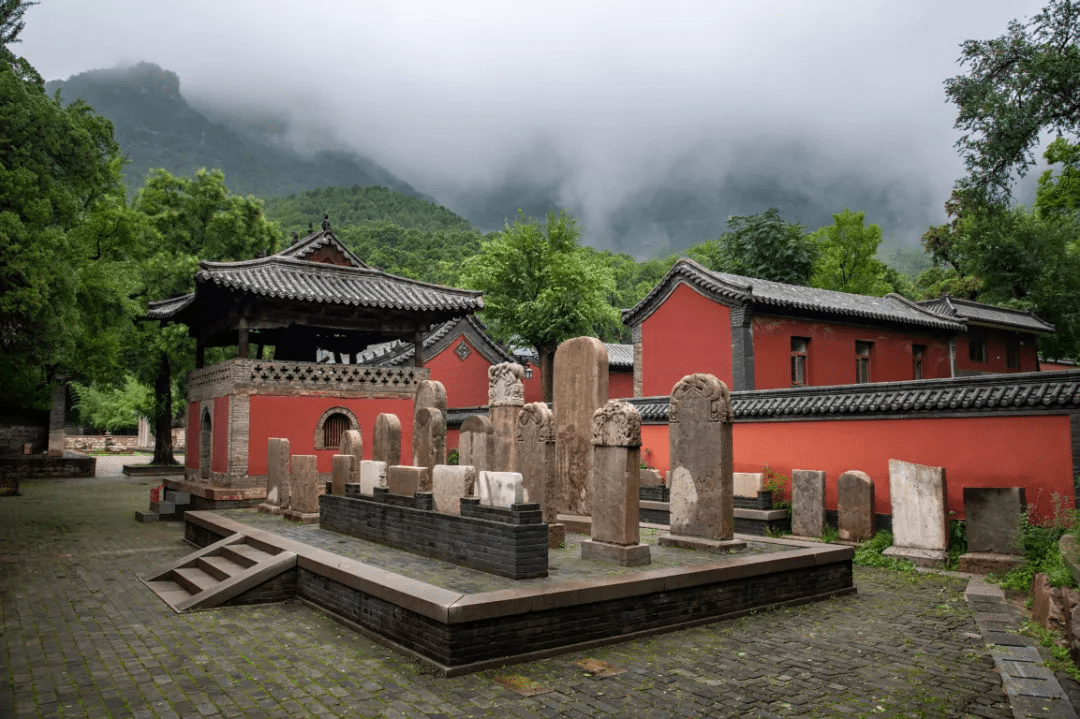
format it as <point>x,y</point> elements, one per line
<point>847,259</point>
<point>540,287</point>
<point>1018,85</point>
<point>763,246</point>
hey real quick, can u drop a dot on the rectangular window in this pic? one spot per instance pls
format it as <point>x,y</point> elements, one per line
<point>799,346</point>
<point>917,352</point>
<point>1012,354</point>
<point>976,345</point>
<point>862,362</point>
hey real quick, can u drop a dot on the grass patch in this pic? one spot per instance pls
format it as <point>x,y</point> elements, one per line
<point>1059,660</point>
<point>1041,554</point>
<point>870,554</point>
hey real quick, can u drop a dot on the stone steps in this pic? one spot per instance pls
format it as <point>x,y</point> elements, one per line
<point>215,574</point>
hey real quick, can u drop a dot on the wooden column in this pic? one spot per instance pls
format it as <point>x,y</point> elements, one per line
<point>242,342</point>
<point>418,344</point>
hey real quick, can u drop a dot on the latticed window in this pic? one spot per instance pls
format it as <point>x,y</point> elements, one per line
<point>917,352</point>
<point>799,346</point>
<point>333,428</point>
<point>976,345</point>
<point>862,362</point>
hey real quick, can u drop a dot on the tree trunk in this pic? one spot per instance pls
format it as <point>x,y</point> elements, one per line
<point>547,372</point>
<point>163,453</point>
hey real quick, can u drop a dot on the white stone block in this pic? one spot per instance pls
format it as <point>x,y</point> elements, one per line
<point>449,483</point>
<point>748,484</point>
<point>501,489</point>
<point>372,475</point>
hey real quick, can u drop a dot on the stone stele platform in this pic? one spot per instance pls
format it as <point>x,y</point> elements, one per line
<point>455,629</point>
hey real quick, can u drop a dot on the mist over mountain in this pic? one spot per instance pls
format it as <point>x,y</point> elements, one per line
<point>157,127</point>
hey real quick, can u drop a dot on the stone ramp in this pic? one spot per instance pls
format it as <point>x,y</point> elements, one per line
<point>218,573</point>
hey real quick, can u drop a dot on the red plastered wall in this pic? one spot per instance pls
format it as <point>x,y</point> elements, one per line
<point>220,446</point>
<point>831,352</point>
<point>466,381</point>
<point>687,333</point>
<point>621,384</point>
<point>193,425</point>
<point>452,436</point>
<point>295,418</point>
<point>1030,452</point>
<point>996,359</point>
<point>533,390</point>
<point>1055,367</point>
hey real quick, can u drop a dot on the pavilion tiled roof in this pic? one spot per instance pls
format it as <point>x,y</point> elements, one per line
<point>317,241</point>
<point>731,289</point>
<point>977,312</point>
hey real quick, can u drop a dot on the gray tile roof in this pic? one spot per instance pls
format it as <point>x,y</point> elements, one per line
<point>620,356</point>
<point>987,393</point>
<point>165,309</point>
<point>764,294</point>
<point>397,352</point>
<point>316,241</point>
<point>980,313</point>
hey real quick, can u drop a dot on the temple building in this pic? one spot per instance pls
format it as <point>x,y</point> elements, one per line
<point>314,296</point>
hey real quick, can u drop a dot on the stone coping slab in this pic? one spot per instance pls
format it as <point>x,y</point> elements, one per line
<point>452,607</point>
<point>216,493</point>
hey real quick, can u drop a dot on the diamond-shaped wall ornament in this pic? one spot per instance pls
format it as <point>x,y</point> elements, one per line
<point>462,350</point>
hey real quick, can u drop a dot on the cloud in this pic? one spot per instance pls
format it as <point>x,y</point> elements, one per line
<point>600,107</point>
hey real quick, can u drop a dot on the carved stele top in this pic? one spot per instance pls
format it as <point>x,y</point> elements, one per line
<point>536,413</point>
<point>616,424</point>
<point>709,387</point>
<point>505,384</point>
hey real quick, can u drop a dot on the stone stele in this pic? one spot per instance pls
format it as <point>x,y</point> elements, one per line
<point>304,504</point>
<point>580,388</point>
<point>506,395</point>
<point>429,440</point>
<point>341,473</point>
<point>278,484</point>
<point>372,475</point>
<point>386,445</point>
<point>501,489</point>
<point>535,437</point>
<point>352,444</point>
<point>476,442</point>
<point>429,393</point>
<point>407,480</point>
<point>449,484</point>
<point>991,516</point>
<point>807,503</point>
<point>920,523</point>
<point>701,454</point>
<point>855,506</point>
<point>616,441</point>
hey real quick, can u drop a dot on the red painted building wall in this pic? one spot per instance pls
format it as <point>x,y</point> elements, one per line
<point>996,358</point>
<point>1050,366</point>
<point>831,352</point>
<point>621,384</point>
<point>687,333</point>
<point>220,446</point>
<point>1012,451</point>
<point>296,418</point>
<point>466,380</point>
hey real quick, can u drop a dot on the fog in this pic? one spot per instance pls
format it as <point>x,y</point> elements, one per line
<point>651,122</point>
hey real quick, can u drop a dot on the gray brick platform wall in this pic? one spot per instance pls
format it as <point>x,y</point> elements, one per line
<point>35,466</point>
<point>507,542</point>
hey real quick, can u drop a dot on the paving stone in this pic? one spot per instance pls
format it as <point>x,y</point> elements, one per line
<point>83,630</point>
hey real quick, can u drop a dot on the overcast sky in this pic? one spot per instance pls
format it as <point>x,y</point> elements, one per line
<point>605,98</point>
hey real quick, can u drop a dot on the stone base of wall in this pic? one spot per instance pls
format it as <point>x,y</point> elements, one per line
<point>455,633</point>
<point>14,436</point>
<point>34,466</point>
<point>508,542</point>
<point>121,442</point>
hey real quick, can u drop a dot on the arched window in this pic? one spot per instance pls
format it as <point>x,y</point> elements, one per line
<point>333,428</point>
<point>332,425</point>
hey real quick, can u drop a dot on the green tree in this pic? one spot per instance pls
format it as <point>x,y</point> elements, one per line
<point>763,246</point>
<point>540,287</point>
<point>633,280</point>
<point>847,259</point>
<point>191,219</point>
<point>66,238</point>
<point>1059,193</point>
<point>1018,85</point>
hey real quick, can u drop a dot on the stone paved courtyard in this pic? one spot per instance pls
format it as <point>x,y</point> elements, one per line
<point>81,636</point>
